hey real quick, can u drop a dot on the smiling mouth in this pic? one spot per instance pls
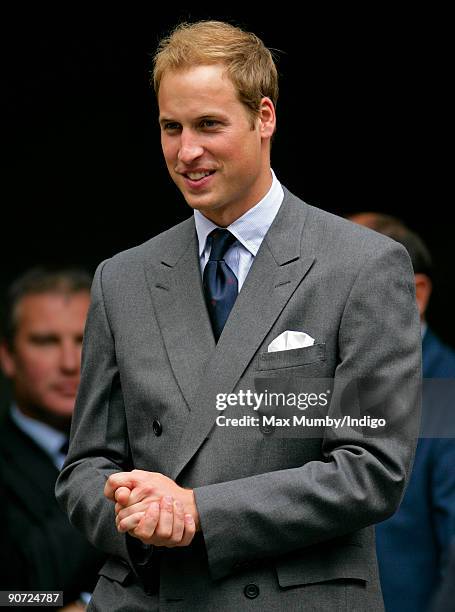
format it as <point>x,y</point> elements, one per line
<point>198,176</point>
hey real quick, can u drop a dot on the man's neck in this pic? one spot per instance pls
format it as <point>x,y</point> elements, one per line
<point>61,423</point>
<point>226,216</point>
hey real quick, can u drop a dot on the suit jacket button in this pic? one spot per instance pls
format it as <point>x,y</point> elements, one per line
<point>251,591</point>
<point>157,427</point>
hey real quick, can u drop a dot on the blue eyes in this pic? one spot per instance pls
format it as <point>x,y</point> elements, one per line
<point>204,124</point>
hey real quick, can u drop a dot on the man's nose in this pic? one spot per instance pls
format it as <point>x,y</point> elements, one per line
<point>190,147</point>
<point>70,357</point>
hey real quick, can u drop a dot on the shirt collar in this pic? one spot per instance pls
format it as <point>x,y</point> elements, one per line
<point>423,329</point>
<point>252,226</point>
<point>47,438</point>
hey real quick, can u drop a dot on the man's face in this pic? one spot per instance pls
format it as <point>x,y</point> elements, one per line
<point>44,363</point>
<point>218,160</point>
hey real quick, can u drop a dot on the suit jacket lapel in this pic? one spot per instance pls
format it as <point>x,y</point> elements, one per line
<point>275,274</point>
<point>19,451</point>
<point>176,286</point>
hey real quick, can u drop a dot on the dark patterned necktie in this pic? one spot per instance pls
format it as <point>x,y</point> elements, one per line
<point>220,282</point>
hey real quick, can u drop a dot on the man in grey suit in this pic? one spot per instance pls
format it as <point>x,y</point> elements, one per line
<point>196,510</point>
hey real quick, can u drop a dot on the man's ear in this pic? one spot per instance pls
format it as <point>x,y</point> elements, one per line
<point>267,118</point>
<point>7,362</point>
<point>423,292</point>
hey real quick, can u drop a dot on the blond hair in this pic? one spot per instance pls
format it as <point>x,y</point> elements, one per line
<point>248,62</point>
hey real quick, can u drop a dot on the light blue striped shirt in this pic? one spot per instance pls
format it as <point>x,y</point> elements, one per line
<point>249,229</point>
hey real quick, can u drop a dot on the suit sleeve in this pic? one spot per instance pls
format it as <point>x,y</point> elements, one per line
<point>359,479</point>
<point>99,438</point>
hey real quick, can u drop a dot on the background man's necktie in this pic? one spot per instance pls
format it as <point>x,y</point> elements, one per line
<point>220,282</point>
<point>64,447</point>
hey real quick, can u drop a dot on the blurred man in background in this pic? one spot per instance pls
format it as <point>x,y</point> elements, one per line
<point>413,545</point>
<point>40,353</point>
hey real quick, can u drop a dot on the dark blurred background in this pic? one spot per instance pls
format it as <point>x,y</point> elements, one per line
<point>362,118</point>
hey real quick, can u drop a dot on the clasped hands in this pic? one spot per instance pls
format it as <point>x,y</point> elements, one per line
<point>153,508</point>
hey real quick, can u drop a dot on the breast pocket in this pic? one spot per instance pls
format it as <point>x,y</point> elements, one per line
<point>292,358</point>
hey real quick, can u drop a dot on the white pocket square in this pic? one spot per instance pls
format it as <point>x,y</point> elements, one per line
<point>289,340</point>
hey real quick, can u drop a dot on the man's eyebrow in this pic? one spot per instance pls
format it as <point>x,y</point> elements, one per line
<point>44,335</point>
<point>216,115</point>
<point>165,119</point>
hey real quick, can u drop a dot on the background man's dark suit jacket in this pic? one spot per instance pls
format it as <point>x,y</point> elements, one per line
<point>41,550</point>
<point>286,521</point>
<point>413,544</point>
<point>445,597</point>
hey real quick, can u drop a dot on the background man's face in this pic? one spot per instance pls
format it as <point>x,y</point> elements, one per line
<point>212,153</point>
<point>44,364</point>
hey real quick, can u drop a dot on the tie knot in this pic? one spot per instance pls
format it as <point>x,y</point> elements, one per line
<point>221,241</point>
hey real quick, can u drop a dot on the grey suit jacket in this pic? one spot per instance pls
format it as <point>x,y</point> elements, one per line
<point>286,520</point>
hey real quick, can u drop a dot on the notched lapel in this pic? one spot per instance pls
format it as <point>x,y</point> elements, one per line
<point>176,288</point>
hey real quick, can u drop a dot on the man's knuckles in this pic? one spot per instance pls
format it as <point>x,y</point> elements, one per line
<point>143,492</point>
